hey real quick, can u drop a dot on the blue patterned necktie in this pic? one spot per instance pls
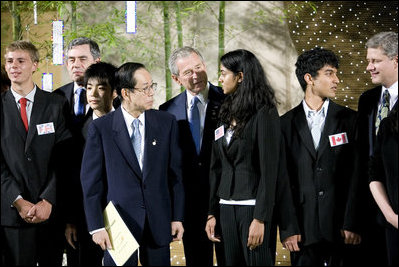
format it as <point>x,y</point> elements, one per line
<point>136,139</point>
<point>194,120</point>
<point>317,118</point>
<point>79,107</point>
<point>383,111</point>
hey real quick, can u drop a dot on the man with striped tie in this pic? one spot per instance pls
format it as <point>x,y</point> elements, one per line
<point>374,105</point>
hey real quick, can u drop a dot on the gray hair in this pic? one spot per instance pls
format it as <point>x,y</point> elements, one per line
<point>387,41</point>
<point>94,49</point>
<point>181,53</point>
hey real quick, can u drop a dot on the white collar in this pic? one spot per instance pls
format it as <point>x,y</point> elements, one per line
<point>30,96</point>
<point>202,96</point>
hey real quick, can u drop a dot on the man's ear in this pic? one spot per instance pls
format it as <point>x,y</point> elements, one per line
<point>308,79</point>
<point>176,79</point>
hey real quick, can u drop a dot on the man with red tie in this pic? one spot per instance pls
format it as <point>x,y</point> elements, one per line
<point>33,134</point>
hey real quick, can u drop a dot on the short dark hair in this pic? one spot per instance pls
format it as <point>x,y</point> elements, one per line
<point>312,61</point>
<point>102,71</point>
<point>94,49</point>
<point>124,76</point>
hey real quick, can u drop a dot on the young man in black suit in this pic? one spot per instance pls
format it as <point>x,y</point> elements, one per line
<point>382,57</point>
<point>34,141</point>
<point>189,70</point>
<point>321,156</point>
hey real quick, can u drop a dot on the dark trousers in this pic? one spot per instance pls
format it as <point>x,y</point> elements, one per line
<point>392,236</point>
<point>87,253</point>
<point>235,221</point>
<point>198,249</point>
<point>150,253</point>
<point>31,245</point>
<point>319,254</point>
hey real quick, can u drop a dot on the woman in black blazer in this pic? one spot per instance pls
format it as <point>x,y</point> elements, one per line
<point>383,178</point>
<point>244,162</point>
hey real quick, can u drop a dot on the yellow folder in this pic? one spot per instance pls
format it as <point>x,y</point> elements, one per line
<point>123,242</point>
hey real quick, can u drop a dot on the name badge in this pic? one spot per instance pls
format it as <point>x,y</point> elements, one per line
<point>338,139</point>
<point>219,132</point>
<point>45,128</point>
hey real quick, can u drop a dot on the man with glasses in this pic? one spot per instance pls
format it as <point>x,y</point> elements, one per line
<point>132,158</point>
<point>196,110</point>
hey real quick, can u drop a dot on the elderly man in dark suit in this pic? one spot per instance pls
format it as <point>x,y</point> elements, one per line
<point>80,250</point>
<point>189,70</point>
<point>133,159</point>
<point>321,156</point>
<point>33,135</point>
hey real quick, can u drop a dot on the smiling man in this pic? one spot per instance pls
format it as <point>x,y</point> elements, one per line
<point>382,58</point>
<point>188,69</point>
<point>33,142</point>
<point>321,155</point>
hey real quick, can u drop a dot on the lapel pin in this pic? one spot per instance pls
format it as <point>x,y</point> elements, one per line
<point>154,142</point>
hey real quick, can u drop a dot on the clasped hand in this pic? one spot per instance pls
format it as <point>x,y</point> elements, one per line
<point>33,213</point>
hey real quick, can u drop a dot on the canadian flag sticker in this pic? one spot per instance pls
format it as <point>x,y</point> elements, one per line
<point>338,139</point>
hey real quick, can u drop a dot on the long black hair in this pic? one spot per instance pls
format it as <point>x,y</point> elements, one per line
<point>252,93</point>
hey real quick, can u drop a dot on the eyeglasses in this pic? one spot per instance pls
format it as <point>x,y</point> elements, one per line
<point>147,90</point>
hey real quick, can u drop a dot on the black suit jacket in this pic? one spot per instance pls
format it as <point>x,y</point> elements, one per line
<point>72,206</point>
<point>323,183</point>
<point>248,167</point>
<point>111,172</point>
<point>29,162</point>
<point>196,167</point>
<point>367,110</point>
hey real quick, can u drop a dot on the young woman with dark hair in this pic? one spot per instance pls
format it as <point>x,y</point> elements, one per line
<point>244,163</point>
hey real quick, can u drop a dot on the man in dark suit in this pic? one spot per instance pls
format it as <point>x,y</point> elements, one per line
<point>321,156</point>
<point>80,249</point>
<point>382,57</point>
<point>34,139</point>
<point>132,158</point>
<point>189,70</point>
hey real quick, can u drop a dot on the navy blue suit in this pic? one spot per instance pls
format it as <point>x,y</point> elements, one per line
<point>197,247</point>
<point>148,199</point>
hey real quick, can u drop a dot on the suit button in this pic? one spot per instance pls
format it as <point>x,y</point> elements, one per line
<point>200,164</point>
<point>29,158</point>
<point>321,193</point>
<point>319,169</point>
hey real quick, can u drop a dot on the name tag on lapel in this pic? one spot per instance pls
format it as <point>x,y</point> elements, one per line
<point>45,128</point>
<point>338,139</point>
<point>219,132</point>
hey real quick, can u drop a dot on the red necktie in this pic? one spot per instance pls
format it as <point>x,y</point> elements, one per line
<point>24,117</point>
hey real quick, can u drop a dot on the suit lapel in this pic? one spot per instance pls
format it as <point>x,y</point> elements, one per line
<point>38,109</point>
<point>330,127</point>
<point>150,139</point>
<point>122,140</point>
<point>14,114</point>
<point>303,130</point>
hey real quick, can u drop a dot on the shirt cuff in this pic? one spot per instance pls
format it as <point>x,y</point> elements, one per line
<point>97,230</point>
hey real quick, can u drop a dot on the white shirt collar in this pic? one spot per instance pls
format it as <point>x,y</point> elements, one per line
<point>76,87</point>
<point>95,115</point>
<point>129,120</point>
<point>30,96</point>
<point>323,109</point>
<point>202,96</point>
